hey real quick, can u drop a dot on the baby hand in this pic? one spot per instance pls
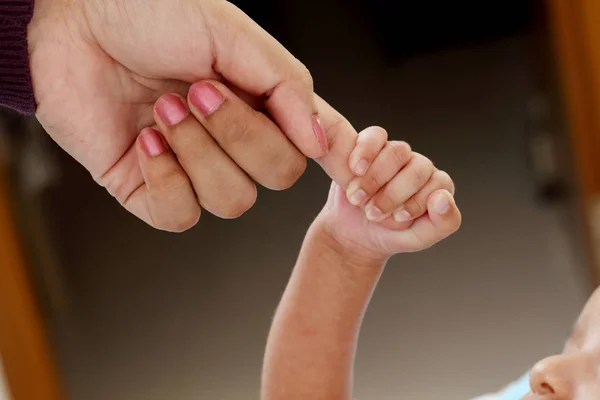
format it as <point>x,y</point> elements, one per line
<point>399,201</point>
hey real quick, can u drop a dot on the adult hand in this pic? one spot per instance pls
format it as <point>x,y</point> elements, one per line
<point>98,66</point>
<point>167,155</point>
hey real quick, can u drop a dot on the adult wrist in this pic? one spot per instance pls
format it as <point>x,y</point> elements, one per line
<point>16,89</point>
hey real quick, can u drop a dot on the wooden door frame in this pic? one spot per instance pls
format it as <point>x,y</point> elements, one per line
<point>575,29</point>
<point>24,346</point>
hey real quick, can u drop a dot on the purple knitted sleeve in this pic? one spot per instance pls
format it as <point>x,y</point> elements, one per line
<point>16,90</point>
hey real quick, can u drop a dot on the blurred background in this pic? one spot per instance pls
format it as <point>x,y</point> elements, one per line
<point>97,305</point>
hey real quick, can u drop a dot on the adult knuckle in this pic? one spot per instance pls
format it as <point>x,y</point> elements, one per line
<point>239,203</point>
<point>305,77</point>
<point>234,130</point>
<point>175,220</point>
<point>178,134</point>
<point>117,187</point>
<point>176,177</point>
<point>184,222</point>
<point>336,129</point>
<point>169,181</point>
<point>289,171</point>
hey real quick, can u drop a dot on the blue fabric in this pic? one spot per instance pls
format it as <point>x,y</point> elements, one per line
<point>516,390</point>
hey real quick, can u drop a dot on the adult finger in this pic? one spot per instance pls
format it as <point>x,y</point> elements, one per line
<point>251,139</point>
<point>166,200</point>
<point>247,56</point>
<point>417,204</point>
<point>221,186</point>
<point>341,137</point>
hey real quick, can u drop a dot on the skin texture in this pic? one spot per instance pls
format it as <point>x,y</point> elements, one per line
<point>343,256</point>
<point>103,69</point>
<point>574,374</point>
<point>312,342</point>
<point>99,66</point>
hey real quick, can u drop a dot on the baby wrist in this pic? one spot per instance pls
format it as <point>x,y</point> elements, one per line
<point>322,240</point>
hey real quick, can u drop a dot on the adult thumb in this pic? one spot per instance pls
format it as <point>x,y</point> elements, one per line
<point>251,59</point>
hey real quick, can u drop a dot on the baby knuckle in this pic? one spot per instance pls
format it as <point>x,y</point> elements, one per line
<point>372,183</point>
<point>381,132</point>
<point>423,169</point>
<point>451,225</point>
<point>373,133</point>
<point>401,151</point>
<point>457,222</point>
<point>421,176</point>
<point>386,201</point>
<point>450,228</point>
<point>414,207</point>
<point>421,242</point>
<point>445,181</point>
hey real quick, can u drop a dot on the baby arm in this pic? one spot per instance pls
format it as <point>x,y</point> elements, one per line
<point>311,346</point>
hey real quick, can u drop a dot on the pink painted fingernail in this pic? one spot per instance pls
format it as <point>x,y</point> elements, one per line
<point>320,133</point>
<point>206,97</point>
<point>374,213</point>
<point>151,142</point>
<point>361,167</point>
<point>358,197</point>
<point>402,216</point>
<point>171,109</point>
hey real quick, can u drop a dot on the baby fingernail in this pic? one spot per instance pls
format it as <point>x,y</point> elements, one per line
<point>441,204</point>
<point>361,167</point>
<point>151,142</point>
<point>402,215</point>
<point>205,97</point>
<point>171,109</point>
<point>358,197</point>
<point>373,213</point>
